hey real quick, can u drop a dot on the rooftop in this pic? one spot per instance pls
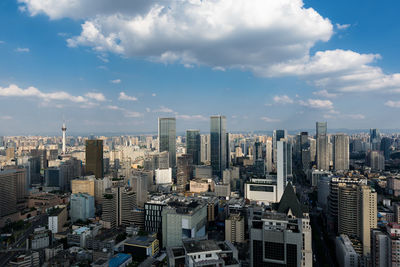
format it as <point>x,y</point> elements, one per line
<point>196,246</point>
<point>118,259</point>
<point>140,241</point>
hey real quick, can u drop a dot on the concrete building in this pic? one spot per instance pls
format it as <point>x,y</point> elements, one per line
<point>345,253</point>
<point>8,192</point>
<point>82,207</point>
<point>380,248</point>
<point>183,220</point>
<point>57,218</point>
<point>234,229</point>
<point>30,259</point>
<point>377,160</point>
<point>205,148</point>
<point>284,166</point>
<point>341,152</point>
<point>261,190</point>
<point>281,237</point>
<point>184,171</point>
<point>141,247</point>
<point>167,138</point>
<point>322,146</point>
<point>164,176</point>
<point>40,238</point>
<point>94,158</point>
<point>84,185</point>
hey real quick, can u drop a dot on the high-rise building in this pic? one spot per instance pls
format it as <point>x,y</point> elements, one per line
<point>8,192</point>
<point>82,207</point>
<point>277,136</point>
<point>377,160</point>
<point>341,152</point>
<point>268,156</point>
<point>218,144</point>
<point>10,153</point>
<point>357,213</point>
<point>153,218</point>
<point>234,228</point>
<point>94,158</point>
<point>193,145</point>
<point>205,148</point>
<point>140,183</point>
<point>374,139</point>
<point>284,166</point>
<point>85,185</point>
<point>184,171</point>
<point>167,138</point>
<point>322,146</point>
<point>52,177</point>
<point>386,143</point>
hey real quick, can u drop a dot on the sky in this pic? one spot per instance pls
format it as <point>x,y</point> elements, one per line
<point>116,66</point>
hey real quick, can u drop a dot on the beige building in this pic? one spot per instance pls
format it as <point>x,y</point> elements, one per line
<point>202,185</point>
<point>357,210</point>
<point>10,153</point>
<point>83,186</point>
<point>234,228</point>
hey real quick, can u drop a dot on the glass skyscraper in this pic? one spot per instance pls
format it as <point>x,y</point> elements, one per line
<point>218,144</point>
<point>94,158</point>
<point>193,145</point>
<point>167,138</point>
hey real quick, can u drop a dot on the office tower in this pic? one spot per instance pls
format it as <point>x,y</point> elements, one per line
<point>42,155</point>
<point>167,138</point>
<point>193,145</point>
<point>85,185</point>
<point>8,193</point>
<point>153,218</point>
<point>277,136</point>
<point>281,237</point>
<point>322,146</point>
<point>184,171</point>
<point>357,213</point>
<point>110,210</point>
<point>333,198</point>
<point>313,149</point>
<point>377,160</point>
<point>82,207</point>
<point>100,186</point>
<point>94,158</point>
<point>341,152</point>
<point>234,228</point>
<point>140,184</point>
<point>284,166</point>
<point>386,144</point>
<point>205,148</point>
<point>268,155</point>
<point>258,153</point>
<point>63,129</point>
<point>52,177</point>
<point>218,144</point>
<point>127,205</point>
<point>182,220</point>
<point>374,139</point>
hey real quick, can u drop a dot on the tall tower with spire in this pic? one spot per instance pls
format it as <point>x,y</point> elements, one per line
<point>64,129</point>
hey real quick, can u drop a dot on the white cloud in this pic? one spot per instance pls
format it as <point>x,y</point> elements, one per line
<point>123,96</point>
<point>96,96</point>
<point>342,26</point>
<point>392,104</point>
<point>325,93</point>
<point>32,92</point>
<point>153,94</point>
<point>268,119</point>
<point>103,58</point>
<point>116,81</point>
<point>283,99</point>
<point>148,109</point>
<point>112,107</point>
<point>22,50</point>
<point>317,103</point>
<point>163,109</point>
<point>191,117</point>
<point>132,114</point>
<point>6,117</point>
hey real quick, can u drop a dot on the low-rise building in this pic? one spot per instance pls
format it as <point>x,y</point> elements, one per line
<point>141,247</point>
<point>57,218</point>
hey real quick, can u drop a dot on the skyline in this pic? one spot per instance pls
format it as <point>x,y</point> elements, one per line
<point>116,70</point>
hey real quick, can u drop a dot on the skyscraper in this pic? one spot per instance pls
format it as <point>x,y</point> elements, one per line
<point>277,136</point>
<point>205,148</point>
<point>374,139</point>
<point>193,145</point>
<point>341,152</point>
<point>218,144</point>
<point>322,146</point>
<point>167,138</point>
<point>184,171</point>
<point>268,155</point>
<point>284,166</point>
<point>94,158</point>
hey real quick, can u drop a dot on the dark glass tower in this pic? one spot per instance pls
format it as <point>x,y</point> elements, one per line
<point>167,138</point>
<point>94,158</point>
<point>218,144</point>
<point>193,145</point>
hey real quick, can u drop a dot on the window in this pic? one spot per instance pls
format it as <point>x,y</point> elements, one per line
<point>208,255</point>
<point>261,188</point>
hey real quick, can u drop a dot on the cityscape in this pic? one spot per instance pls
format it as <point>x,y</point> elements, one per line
<point>200,133</point>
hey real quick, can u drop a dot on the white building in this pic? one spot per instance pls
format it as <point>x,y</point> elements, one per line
<point>261,190</point>
<point>164,176</point>
<point>345,253</point>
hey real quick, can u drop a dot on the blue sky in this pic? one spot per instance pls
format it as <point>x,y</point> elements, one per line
<point>116,67</point>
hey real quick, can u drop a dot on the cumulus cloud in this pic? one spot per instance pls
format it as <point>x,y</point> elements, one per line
<point>116,81</point>
<point>112,107</point>
<point>22,50</point>
<point>268,119</point>
<point>392,104</point>
<point>133,114</point>
<point>96,96</point>
<point>123,96</point>
<point>283,99</point>
<point>317,103</point>
<point>342,26</point>
<point>153,94</point>
<point>164,109</point>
